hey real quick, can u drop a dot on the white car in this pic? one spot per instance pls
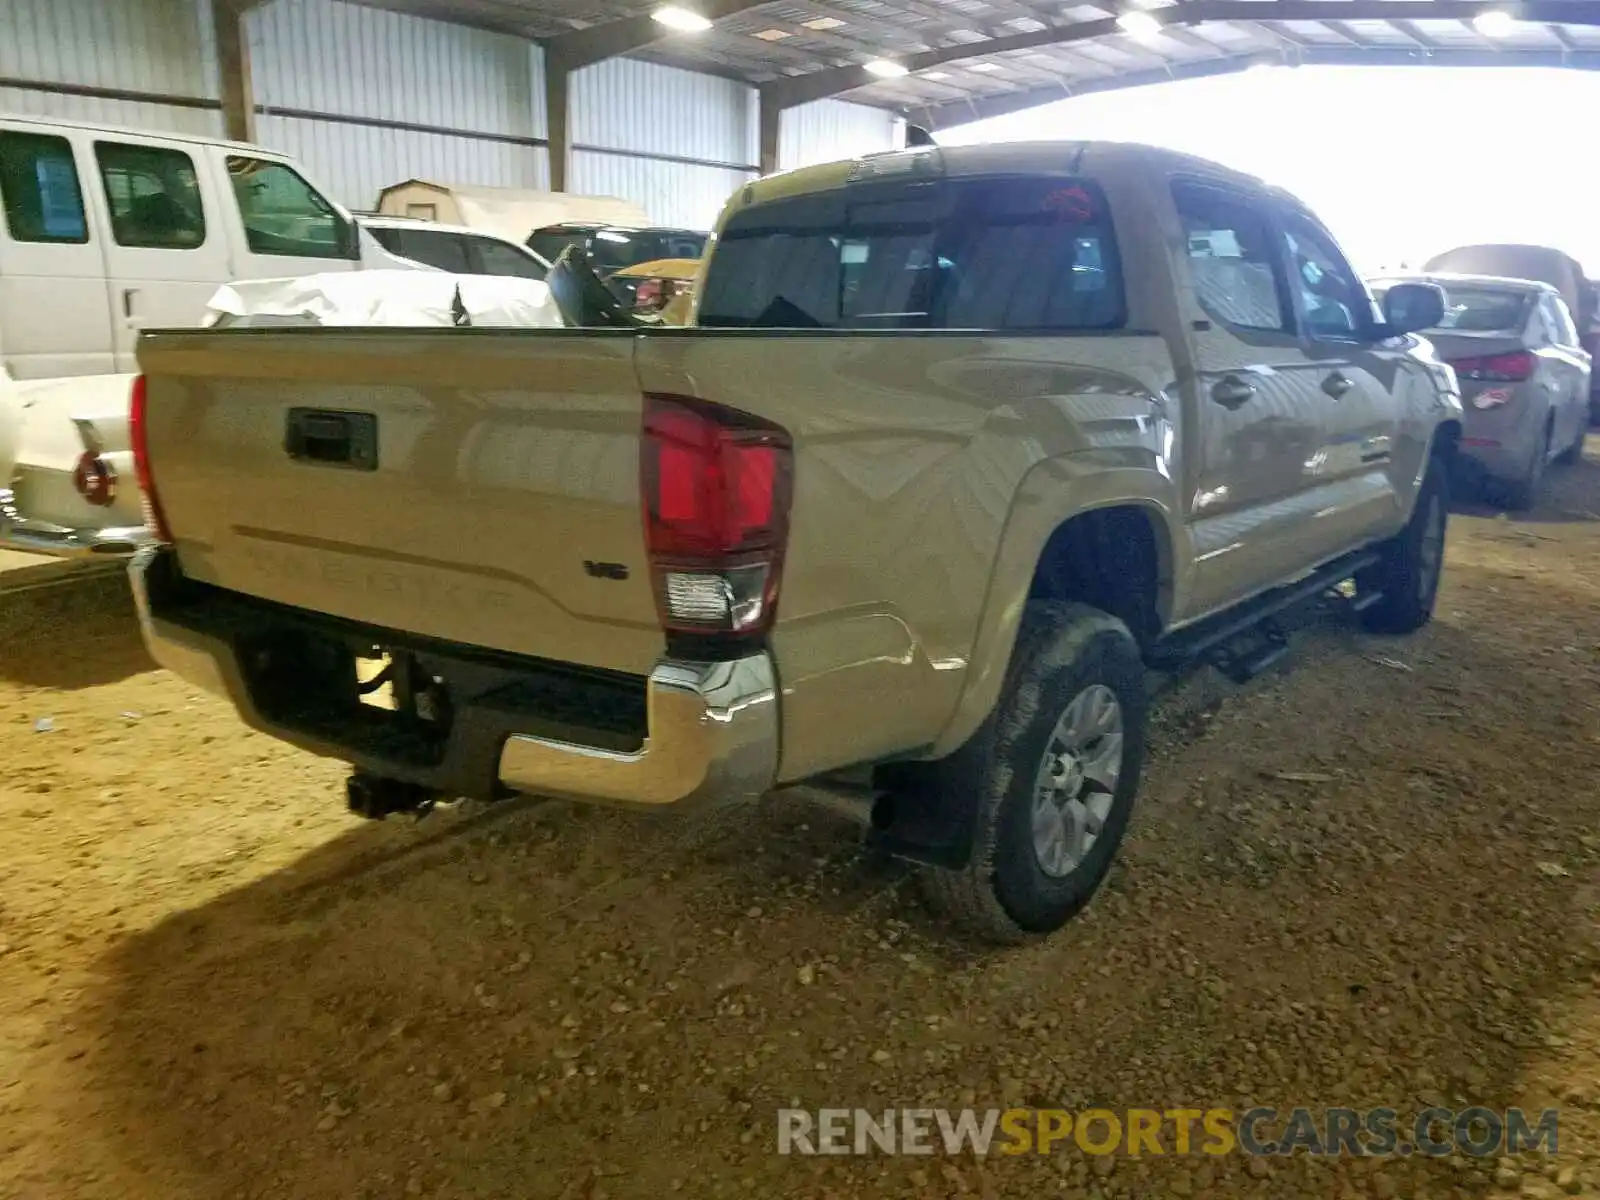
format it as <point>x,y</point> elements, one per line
<point>453,248</point>
<point>66,472</point>
<point>67,467</point>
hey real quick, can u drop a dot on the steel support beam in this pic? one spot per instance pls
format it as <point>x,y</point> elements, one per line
<point>558,122</point>
<point>818,85</point>
<point>771,131</point>
<point>233,65</point>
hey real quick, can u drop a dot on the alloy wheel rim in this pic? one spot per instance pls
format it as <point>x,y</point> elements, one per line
<point>1076,783</point>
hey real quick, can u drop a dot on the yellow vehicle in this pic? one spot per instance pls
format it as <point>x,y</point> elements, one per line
<point>663,285</point>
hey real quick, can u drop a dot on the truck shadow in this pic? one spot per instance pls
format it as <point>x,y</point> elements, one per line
<point>526,1000</point>
<point>71,637</point>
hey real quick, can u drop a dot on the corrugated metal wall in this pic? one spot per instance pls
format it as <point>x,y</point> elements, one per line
<point>831,129</point>
<point>646,115</point>
<point>336,78</point>
<point>320,59</point>
<point>162,47</point>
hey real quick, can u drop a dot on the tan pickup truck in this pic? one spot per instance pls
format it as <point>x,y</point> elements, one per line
<point>959,442</point>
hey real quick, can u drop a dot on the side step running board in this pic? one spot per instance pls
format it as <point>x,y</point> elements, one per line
<point>1193,643</point>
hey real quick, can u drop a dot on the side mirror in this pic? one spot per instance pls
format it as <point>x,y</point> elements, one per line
<point>1409,307</point>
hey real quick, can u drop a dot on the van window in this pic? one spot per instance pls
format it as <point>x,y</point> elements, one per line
<point>39,189</point>
<point>282,213</point>
<point>1020,254</point>
<point>153,194</point>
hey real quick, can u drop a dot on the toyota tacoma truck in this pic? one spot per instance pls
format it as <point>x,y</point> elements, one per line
<point>958,444</point>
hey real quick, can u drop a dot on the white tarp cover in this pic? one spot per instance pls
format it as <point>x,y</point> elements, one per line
<point>387,298</point>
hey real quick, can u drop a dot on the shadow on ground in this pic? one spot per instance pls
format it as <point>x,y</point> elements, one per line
<point>557,1002</point>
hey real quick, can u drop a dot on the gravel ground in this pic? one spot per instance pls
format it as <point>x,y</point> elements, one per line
<point>1372,878</point>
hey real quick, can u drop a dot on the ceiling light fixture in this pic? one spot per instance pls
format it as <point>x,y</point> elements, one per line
<point>985,67</point>
<point>1139,24</point>
<point>823,23</point>
<point>1496,22</point>
<point>885,68</point>
<point>680,19</point>
<point>936,75</point>
<point>772,35</point>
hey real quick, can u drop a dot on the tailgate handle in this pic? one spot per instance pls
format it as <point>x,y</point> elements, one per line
<point>334,439</point>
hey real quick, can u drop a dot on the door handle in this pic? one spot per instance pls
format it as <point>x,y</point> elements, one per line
<point>333,439</point>
<point>127,301</point>
<point>1337,384</point>
<point>1231,392</point>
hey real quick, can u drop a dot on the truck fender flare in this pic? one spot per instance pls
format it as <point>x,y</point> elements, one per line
<point>1054,491</point>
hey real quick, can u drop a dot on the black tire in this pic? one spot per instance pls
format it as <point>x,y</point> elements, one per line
<point>1520,495</point>
<point>1005,895</point>
<point>1407,576</point>
<point>1573,454</point>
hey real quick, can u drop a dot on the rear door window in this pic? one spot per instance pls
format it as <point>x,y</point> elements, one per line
<point>497,258</point>
<point>154,196</point>
<point>1019,254</point>
<point>1233,261</point>
<point>447,251</point>
<point>39,189</point>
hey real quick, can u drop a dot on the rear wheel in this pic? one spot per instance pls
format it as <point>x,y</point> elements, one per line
<point>1520,495</point>
<point>1407,575</point>
<point>1054,771</point>
<point>1574,451</point>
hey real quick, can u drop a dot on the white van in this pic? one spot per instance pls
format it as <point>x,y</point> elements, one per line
<point>106,231</point>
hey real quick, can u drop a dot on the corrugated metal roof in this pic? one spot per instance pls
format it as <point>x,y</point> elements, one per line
<point>973,58</point>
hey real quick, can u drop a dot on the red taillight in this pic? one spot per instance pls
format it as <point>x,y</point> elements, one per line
<point>716,486</point>
<point>95,480</point>
<point>1513,367</point>
<point>139,437</point>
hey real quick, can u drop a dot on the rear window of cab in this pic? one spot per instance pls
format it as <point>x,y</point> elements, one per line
<point>1033,254</point>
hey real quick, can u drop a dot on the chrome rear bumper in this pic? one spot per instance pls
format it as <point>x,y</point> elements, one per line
<point>19,532</point>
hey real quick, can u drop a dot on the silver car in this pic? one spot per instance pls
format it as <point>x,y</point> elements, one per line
<point>1524,376</point>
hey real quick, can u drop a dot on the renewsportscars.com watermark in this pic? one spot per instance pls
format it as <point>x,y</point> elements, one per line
<point>1432,1132</point>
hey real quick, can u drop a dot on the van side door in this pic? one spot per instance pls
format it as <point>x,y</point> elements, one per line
<point>166,254</point>
<point>54,317</point>
<point>284,226</point>
<point>1358,389</point>
<point>1255,404</point>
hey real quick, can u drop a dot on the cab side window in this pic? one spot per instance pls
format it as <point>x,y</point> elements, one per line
<point>154,196</point>
<point>1232,257</point>
<point>39,189</point>
<point>1333,301</point>
<point>283,214</point>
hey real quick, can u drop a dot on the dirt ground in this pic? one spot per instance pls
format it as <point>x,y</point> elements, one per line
<point>214,983</point>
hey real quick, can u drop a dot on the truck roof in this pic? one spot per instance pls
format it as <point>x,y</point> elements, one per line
<point>15,118</point>
<point>1003,158</point>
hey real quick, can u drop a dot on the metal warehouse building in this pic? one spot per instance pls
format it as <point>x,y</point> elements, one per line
<point>604,96</point>
<point>367,97</point>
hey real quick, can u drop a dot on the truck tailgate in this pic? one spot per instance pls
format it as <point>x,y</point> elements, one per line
<point>475,486</point>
